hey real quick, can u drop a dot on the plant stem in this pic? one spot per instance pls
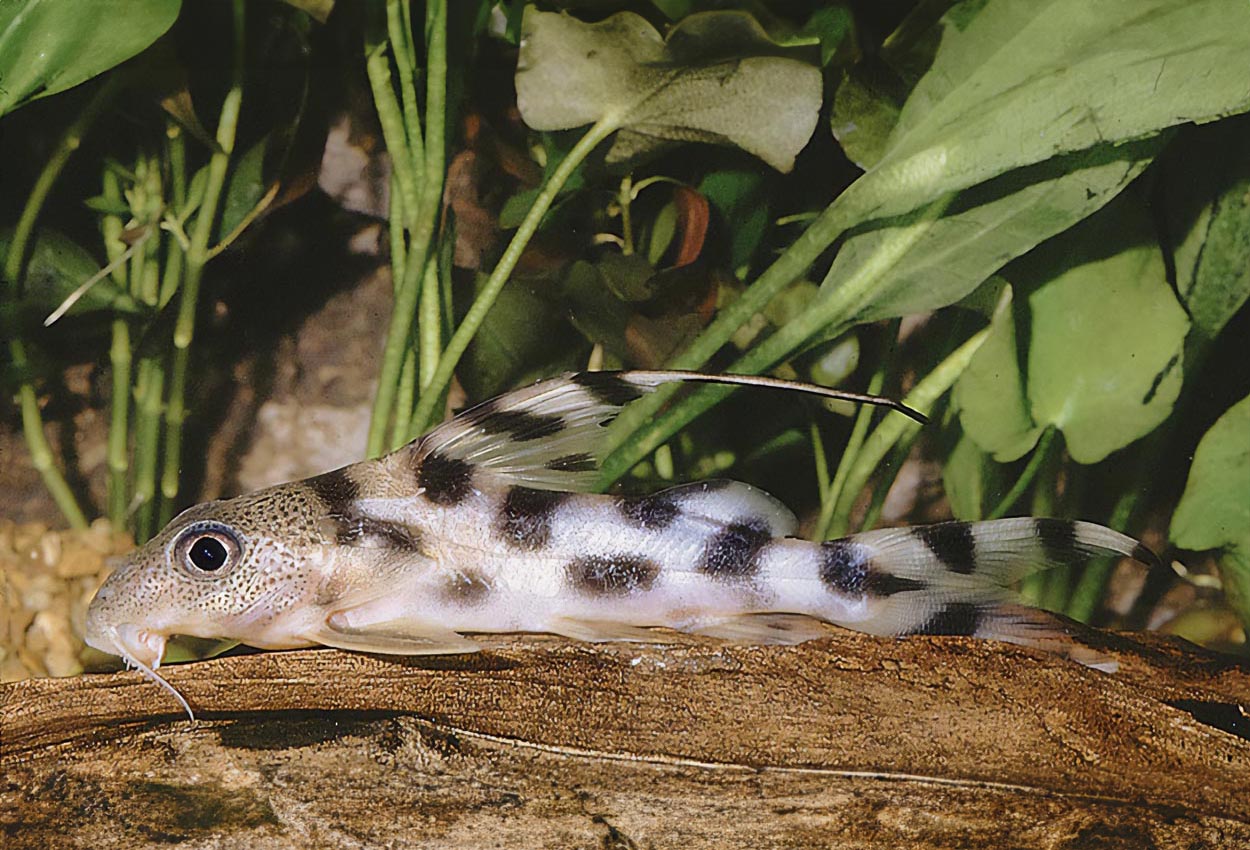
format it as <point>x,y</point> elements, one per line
<point>1052,585</point>
<point>1093,581</point>
<point>429,327</point>
<point>197,256</point>
<point>390,116</point>
<point>638,431</point>
<point>175,419</point>
<point>149,387</point>
<point>922,397</point>
<point>494,285</point>
<point>40,451</point>
<point>422,209</point>
<point>403,399</point>
<point>889,469</point>
<point>14,269</point>
<point>119,362</point>
<point>826,526</point>
<point>1036,460</point>
<point>399,33</point>
<point>15,260</point>
<point>396,230</point>
<point>835,510</point>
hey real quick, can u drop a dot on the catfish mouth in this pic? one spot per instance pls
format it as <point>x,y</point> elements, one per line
<point>141,649</point>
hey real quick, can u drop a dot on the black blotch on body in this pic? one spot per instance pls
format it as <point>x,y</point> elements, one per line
<point>607,387</point>
<point>734,552</point>
<point>577,462</point>
<point>447,480</point>
<point>847,568</point>
<point>952,543</point>
<point>337,490</point>
<point>954,618</point>
<point>612,575</point>
<point>654,512</point>
<point>520,425</point>
<point>1058,539</point>
<point>525,517</point>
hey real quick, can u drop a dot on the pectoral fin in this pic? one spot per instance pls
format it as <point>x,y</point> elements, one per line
<point>598,631</point>
<point>392,637</point>
<point>762,629</point>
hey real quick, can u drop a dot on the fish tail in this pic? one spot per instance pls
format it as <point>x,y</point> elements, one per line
<point>955,578</point>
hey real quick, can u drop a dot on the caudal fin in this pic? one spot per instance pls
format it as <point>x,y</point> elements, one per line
<point>954,578</point>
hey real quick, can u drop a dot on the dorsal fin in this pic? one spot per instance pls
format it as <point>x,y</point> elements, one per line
<point>549,435</point>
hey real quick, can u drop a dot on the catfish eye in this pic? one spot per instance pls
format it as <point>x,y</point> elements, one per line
<point>208,553</point>
<point>207,549</point>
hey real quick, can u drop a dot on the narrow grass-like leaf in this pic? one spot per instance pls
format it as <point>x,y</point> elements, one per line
<point>1027,80</point>
<point>987,226</point>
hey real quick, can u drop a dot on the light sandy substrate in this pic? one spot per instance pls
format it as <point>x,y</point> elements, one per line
<point>48,579</point>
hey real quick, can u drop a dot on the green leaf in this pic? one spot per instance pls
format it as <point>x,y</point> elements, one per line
<point>718,78</point>
<point>973,483</point>
<point>991,394</point>
<point>1207,204</point>
<point>1214,512</point>
<point>57,267</point>
<point>985,227</point>
<point>1101,344</point>
<point>833,26</point>
<point>245,187</point>
<point>741,198</point>
<point>523,338</point>
<point>863,117</point>
<point>47,46</point>
<point>1027,80</point>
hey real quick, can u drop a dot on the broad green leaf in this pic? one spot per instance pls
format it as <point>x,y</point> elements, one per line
<point>741,198</point>
<point>972,482</point>
<point>1214,512</point>
<point>833,27</point>
<point>863,117</point>
<point>47,46</point>
<point>523,338</point>
<point>1207,203</point>
<point>718,78</point>
<point>985,227</point>
<point>58,266</point>
<point>990,393</point>
<point>1104,345</point>
<point>1023,81</point>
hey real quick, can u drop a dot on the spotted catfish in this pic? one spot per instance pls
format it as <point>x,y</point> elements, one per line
<point>489,523</point>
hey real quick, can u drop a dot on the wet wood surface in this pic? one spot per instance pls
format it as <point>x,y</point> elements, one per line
<point>848,741</point>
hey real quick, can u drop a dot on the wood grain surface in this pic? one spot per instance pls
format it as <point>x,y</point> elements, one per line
<point>847,741</point>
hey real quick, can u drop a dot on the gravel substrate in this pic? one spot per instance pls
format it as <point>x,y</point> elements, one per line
<point>49,578</point>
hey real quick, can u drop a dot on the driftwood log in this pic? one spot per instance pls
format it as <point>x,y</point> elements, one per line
<point>844,742</point>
